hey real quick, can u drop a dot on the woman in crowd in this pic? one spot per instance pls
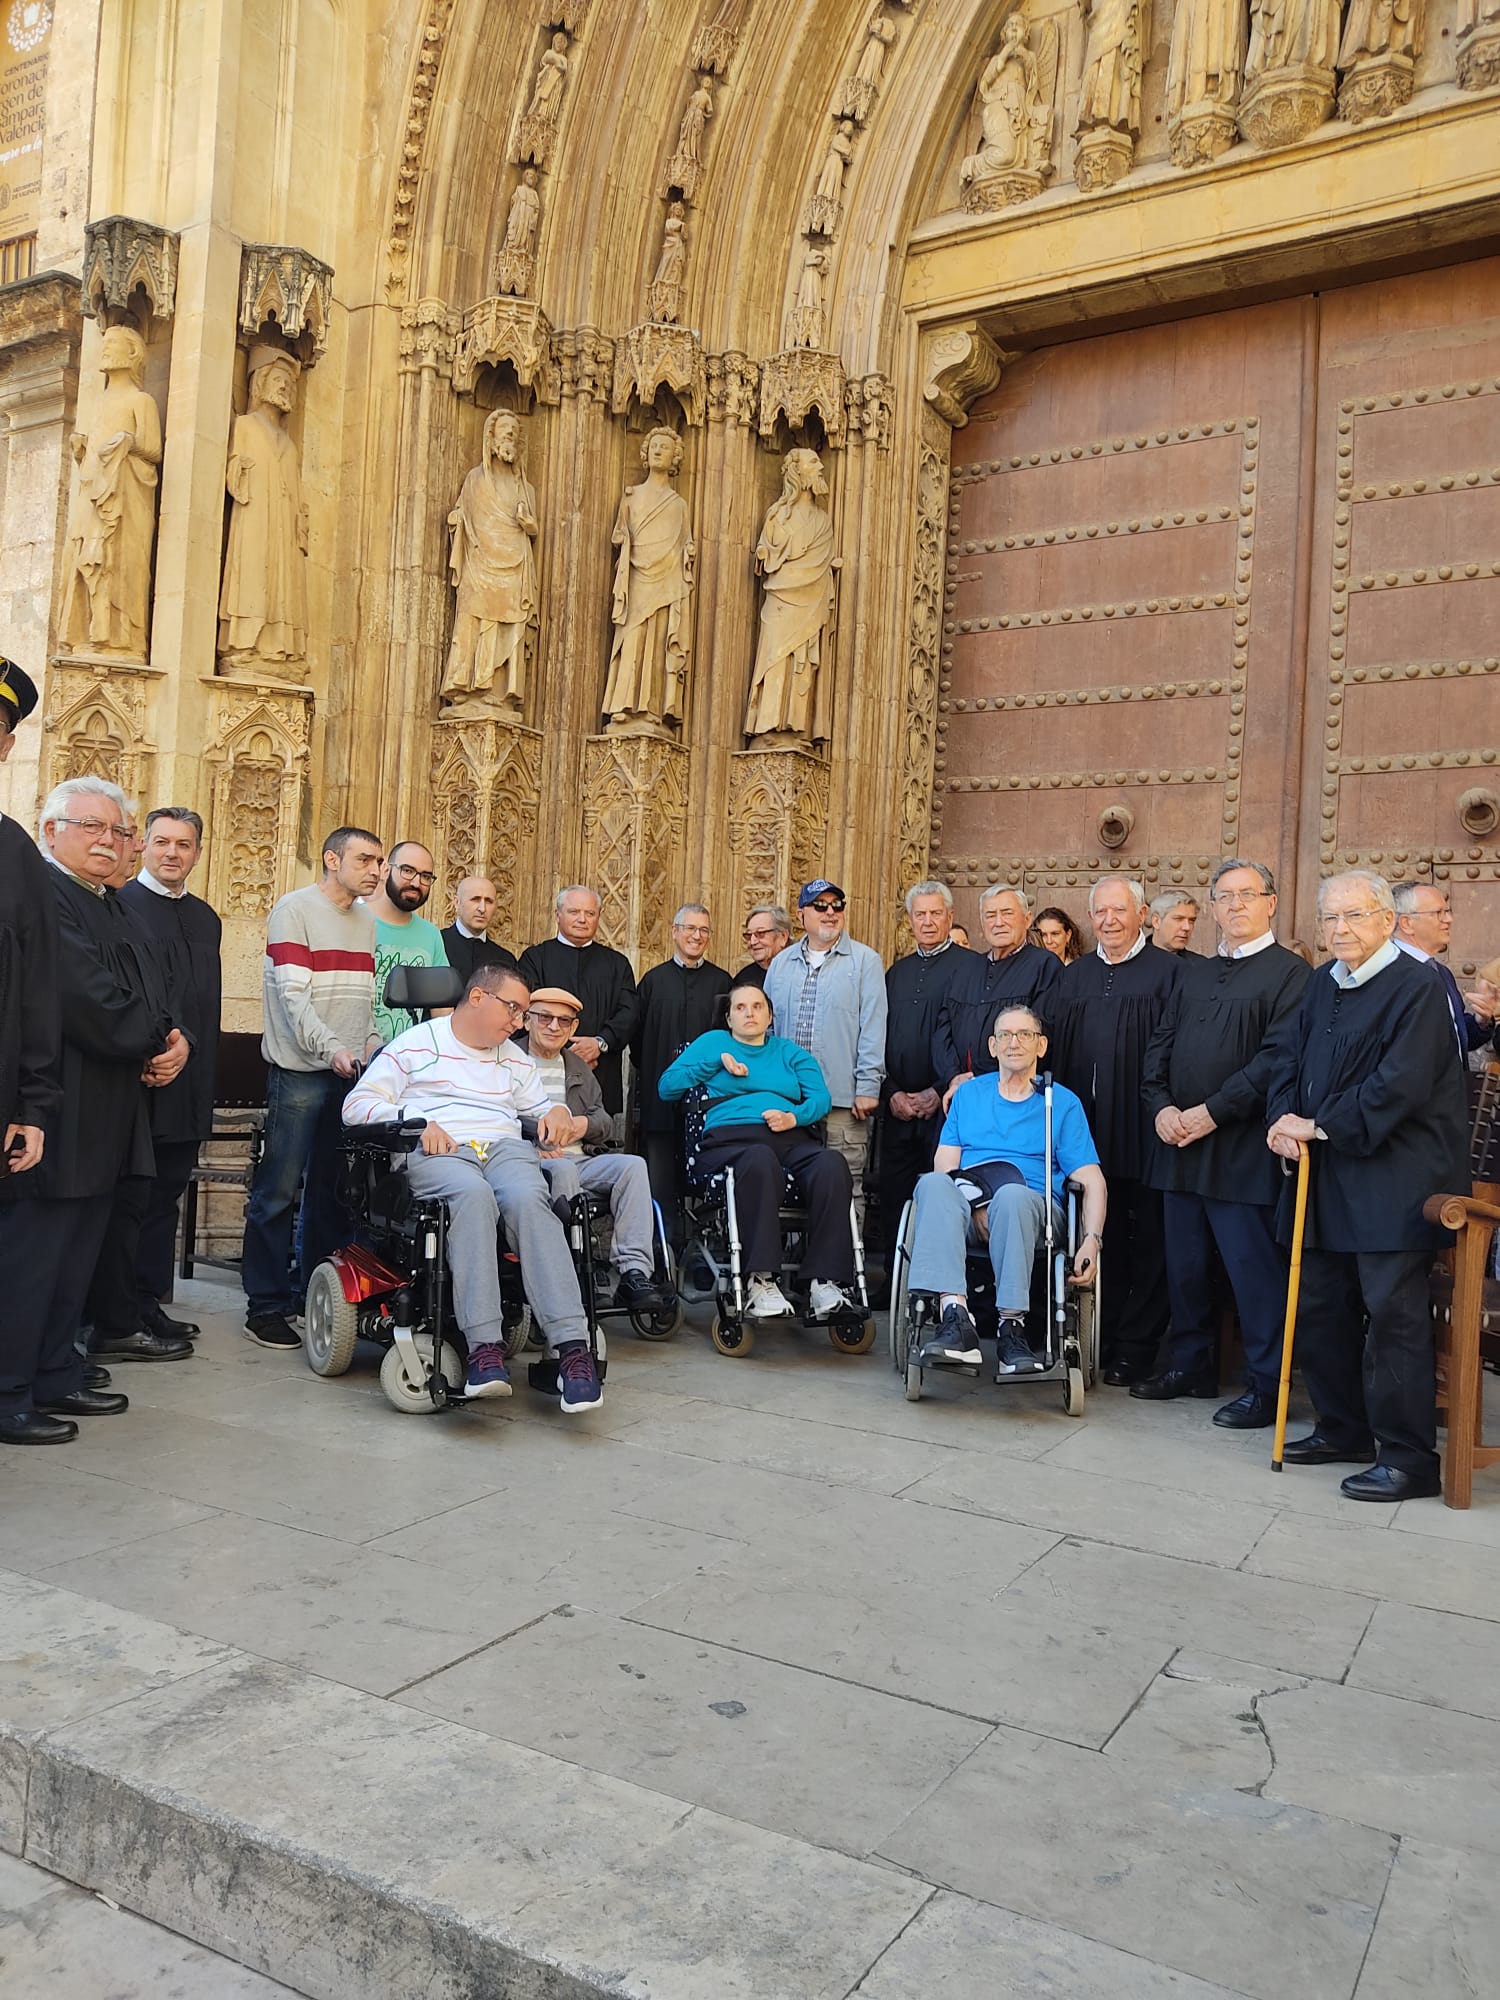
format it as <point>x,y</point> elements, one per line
<point>763,1094</point>
<point>1055,931</point>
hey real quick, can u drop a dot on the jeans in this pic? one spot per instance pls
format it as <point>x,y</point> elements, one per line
<point>943,1228</point>
<point>304,1131</point>
<point>621,1179</point>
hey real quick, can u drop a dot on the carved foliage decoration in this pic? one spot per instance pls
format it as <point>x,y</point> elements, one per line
<point>634,821</point>
<point>418,112</point>
<point>1477,65</point>
<point>428,333</point>
<point>121,253</point>
<point>870,401</point>
<point>96,727</point>
<point>258,755</point>
<point>778,822</point>
<point>290,286</point>
<point>959,365</point>
<point>486,793</point>
<point>794,384</point>
<point>915,831</point>
<point>733,387</point>
<point>586,362</point>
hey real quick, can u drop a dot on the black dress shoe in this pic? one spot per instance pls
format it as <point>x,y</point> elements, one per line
<point>31,1427</point>
<point>155,1320</point>
<point>1250,1412</point>
<point>1123,1371</point>
<point>95,1377</point>
<point>87,1403</point>
<point>1317,1448</point>
<point>1388,1482</point>
<point>141,1346</point>
<point>1172,1383</point>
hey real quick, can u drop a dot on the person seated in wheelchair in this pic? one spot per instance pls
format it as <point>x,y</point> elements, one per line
<point>764,1093</point>
<point>618,1178</point>
<point>987,1189</point>
<point>466,1077</point>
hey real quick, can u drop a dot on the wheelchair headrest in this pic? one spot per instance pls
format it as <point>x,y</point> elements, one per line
<point>423,986</point>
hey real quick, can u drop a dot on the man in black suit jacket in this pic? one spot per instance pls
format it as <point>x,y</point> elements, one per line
<point>466,939</point>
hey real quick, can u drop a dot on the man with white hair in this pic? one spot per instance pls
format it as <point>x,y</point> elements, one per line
<point>1012,968</point>
<point>1109,1005</point>
<point>1367,1083</point>
<point>600,976</point>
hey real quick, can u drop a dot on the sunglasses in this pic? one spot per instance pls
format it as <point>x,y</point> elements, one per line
<point>826,909</point>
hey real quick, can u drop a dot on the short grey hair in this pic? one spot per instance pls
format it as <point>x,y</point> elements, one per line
<point>1138,894</point>
<point>780,918</point>
<point>1379,888</point>
<point>1172,899</point>
<point>61,796</point>
<point>1404,895</point>
<point>574,889</point>
<point>183,814</point>
<point>1005,889</point>
<point>1018,1007</point>
<point>1233,861</point>
<point>691,910</point>
<point>929,889</point>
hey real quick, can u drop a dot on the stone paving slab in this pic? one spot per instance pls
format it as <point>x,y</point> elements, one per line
<point>1416,1569</point>
<point>1438,1937</point>
<point>1431,1656</point>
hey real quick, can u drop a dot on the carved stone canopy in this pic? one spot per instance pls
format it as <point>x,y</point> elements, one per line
<point>652,357</point>
<point>959,365</point>
<point>795,383</point>
<point>280,282</point>
<point>505,329</point>
<point>121,253</point>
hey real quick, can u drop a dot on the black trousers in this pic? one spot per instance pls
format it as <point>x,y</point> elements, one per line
<point>1134,1290</point>
<point>50,1259</point>
<point>906,1147</point>
<point>762,1159</point>
<point>111,1306</point>
<point>1365,1343</point>
<point>1245,1233</point>
<point>663,1154</point>
<point>175,1160</point>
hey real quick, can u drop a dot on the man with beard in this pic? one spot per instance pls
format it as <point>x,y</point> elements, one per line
<point>602,979</point>
<point>401,936</point>
<point>678,1000</point>
<point>1012,969</point>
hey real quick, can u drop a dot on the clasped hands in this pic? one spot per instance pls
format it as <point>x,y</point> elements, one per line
<point>169,1064</point>
<point>1181,1128</point>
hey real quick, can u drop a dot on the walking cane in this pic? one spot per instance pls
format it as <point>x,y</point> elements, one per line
<point>1293,1286</point>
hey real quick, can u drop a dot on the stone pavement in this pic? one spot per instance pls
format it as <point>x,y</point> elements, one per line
<point>761,1684</point>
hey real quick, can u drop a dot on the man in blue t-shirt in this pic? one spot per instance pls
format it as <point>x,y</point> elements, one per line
<point>401,936</point>
<point>994,1119</point>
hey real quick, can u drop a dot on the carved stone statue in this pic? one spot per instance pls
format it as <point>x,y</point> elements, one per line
<point>1382,39</point>
<point>1017,88</point>
<point>1109,93</point>
<point>1289,70</point>
<point>790,693</point>
<point>1477,44</point>
<point>804,323</point>
<point>263,600</point>
<point>112,514</point>
<point>493,565</point>
<point>857,98</point>
<point>1204,70</point>
<point>825,211</point>
<point>664,297</point>
<point>685,169</point>
<point>515,263</point>
<point>648,662</point>
<point>539,122</point>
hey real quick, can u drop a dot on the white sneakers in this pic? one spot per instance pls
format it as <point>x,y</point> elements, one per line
<point>766,1300</point>
<point>826,1298</point>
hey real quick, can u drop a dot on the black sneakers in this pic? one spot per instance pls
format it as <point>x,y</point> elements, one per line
<point>272,1330</point>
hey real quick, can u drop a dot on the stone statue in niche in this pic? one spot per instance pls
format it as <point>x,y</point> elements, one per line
<point>790,690</point>
<point>1109,93</point>
<point>263,600</point>
<point>825,211</point>
<point>1477,45</point>
<point>857,98</point>
<point>112,513</point>
<point>648,661</point>
<point>1382,39</point>
<point>685,169</point>
<point>1017,90</point>
<point>664,295</point>
<point>1289,70</point>
<point>804,323</point>
<point>540,119</point>
<point>493,564</point>
<point>1204,69</point>
<point>515,262</point>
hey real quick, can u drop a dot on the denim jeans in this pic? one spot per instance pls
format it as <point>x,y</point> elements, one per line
<point>304,1130</point>
<point>943,1231</point>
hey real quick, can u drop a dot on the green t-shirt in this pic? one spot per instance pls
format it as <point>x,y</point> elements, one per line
<point>416,943</point>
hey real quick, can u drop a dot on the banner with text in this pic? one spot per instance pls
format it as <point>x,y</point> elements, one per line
<point>25,38</point>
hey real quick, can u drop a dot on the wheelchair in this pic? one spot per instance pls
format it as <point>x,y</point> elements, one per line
<point>713,1234</point>
<point>1062,1322</point>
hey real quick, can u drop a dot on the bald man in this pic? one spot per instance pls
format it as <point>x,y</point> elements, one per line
<point>466,939</point>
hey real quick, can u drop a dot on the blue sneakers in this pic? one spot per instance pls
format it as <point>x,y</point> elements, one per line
<point>577,1379</point>
<point>488,1374</point>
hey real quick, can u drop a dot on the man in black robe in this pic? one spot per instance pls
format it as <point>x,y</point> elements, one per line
<point>1369,1085</point>
<point>1013,971</point>
<point>676,1001</point>
<point>467,940</point>
<point>601,978</point>
<point>115,1023</point>
<point>1205,1083</point>
<point>1108,1006</point>
<point>768,930</point>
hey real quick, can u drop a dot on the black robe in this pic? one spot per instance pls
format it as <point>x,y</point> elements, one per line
<point>30,1031</point>
<point>602,979</point>
<point>674,1006</point>
<point>1373,1067</point>
<point>915,991</point>
<point>750,975</point>
<point>466,955</point>
<point>1218,1045</point>
<point>1103,1018</point>
<point>961,1040</point>
<point>187,934</point>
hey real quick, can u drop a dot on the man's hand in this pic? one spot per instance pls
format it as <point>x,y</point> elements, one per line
<point>580,1129</point>
<point>1196,1124</point>
<point>733,1064</point>
<point>344,1064</point>
<point>901,1106</point>
<point>587,1049</point>
<point>1290,1134</point>
<point>1169,1125</point>
<point>555,1130</point>
<point>863,1106</point>
<point>170,1063</point>
<point>32,1139</point>
<point>1085,1259</point>
<point>1484,1000</point>
<point>966,1076</point>
<point>436,1140</point>
<point>779,1121</point>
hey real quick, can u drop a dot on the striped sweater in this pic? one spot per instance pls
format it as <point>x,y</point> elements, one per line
<point>318,987</point>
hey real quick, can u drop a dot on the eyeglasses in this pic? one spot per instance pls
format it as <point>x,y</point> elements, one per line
<point>826,909</point>
<point>423,875</point>
<point>96,829</point>
<point>1237,899</point>
<point>1015,1034</point>
<point>1336,917</point>
<point>758,937</point>
<point>551,1020</point>
<point>693,930</point>
<point>516,1007</point>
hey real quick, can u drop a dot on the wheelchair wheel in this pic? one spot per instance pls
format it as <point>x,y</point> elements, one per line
<point>852,1337</point>
<point>331,1324</point>
<point>734,1340</point>
<point>414,1399</point>
<point>658,1325</point>
<point>520,1335</point>
<point>1073,1392</point>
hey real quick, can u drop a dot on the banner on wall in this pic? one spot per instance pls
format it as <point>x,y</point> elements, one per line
<point>25,41</point>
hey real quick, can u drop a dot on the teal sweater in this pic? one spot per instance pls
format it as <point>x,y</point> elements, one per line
<point>783,1077</point>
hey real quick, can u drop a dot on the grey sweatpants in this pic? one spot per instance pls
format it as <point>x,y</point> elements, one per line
<point>943,1226</point>
<point>508,1179</point>
<point>622,1180</point>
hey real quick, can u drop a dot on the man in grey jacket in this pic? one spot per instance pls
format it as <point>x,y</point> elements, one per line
<point>621,1178</point>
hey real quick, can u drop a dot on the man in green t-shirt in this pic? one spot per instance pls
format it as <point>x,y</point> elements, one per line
<point>401,936</point>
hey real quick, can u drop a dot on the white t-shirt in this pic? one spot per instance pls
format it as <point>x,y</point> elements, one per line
<point>427,1072</point>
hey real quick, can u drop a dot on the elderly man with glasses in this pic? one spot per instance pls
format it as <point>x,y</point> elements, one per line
<point>767,931</point>
<point>1010,968</point>
<point>1424,929</point>
<point>1366,1082</point>
<point>677,1001</point>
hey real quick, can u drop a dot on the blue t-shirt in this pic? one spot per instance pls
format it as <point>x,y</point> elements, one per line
<point>987,1126</point>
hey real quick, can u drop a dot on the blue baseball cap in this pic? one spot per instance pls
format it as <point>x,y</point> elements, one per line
<point>811,891</point>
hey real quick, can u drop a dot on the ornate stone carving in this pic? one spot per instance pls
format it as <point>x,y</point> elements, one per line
<point>428,333</point>
<point>664,296</point>
<point>804,323</point>
<point>1204,68</point>
<point>538,128</point>
<point>713,45</point>
<point>1382,39</point>
<point>121,253</point>
<point>649,658</point>
<point>778,822</point>
<point>825,209</point>
<point>291,287</point>
<point>95,723</point>
<point>959,365</point>
<point>586,359</point>
<point>1017,93</point>
<point>1109,94</point>
<point>733,386</point>
<point>513,330</point>
<point>493,566</point>
<point>634,821</point>
<point>565,14</point>
<point>685,168</point>
<point>871,404</point>
<point>486,800</point>
<point>258,758</point>
<point>795,384</point>
<point>652,357</point>
<point>918,725</point>
<point>112,510</point>
<point>418,111</point>
<point>1289,71</point>
<point>856,99</point>
<point>1477,61</point>
<point>515,260</point>
<point>791,692</point>
<point>263,600</point>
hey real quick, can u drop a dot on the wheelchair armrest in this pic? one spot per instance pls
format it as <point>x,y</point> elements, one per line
<point>398,1135</point>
